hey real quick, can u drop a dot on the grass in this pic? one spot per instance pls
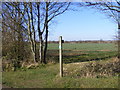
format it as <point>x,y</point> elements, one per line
<point>32,78</point>
<point>81,52</point>
<point>68,82</point>
<point>48,77</point>
<point>89,56</point>
<point>84,46</point>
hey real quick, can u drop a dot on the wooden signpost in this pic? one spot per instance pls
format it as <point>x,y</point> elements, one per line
<point>60,56</point>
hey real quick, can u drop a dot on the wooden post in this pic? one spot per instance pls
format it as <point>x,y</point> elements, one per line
<point>119,36</point>
<point>60,56</point>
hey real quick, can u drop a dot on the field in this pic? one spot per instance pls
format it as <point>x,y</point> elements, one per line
<point>76,56</point>
<point>80,52</point>
<point>84,46</point>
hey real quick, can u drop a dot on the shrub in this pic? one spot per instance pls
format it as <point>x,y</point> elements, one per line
<point>100,70</point>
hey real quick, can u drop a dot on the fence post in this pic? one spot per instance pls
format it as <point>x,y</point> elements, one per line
<point>60,56</point>
<point>119,36</point>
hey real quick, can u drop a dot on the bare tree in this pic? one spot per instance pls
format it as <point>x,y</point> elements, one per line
<point>52,10</point>
<point>33,18</point>
<point>112,9</point>
<point>44,12</point>
<point>40,34</point>
<point>13,32</point>
<point>13,22</point>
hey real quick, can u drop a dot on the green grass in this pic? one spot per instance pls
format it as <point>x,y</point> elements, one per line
<point>80,52</point>
<point>89,56</point>
<point>84,46</point>
<point>48,77</point>
<point>67,82</point>
<point>32,78</point>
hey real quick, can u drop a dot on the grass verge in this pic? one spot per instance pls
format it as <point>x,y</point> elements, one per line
<point>48,77</point>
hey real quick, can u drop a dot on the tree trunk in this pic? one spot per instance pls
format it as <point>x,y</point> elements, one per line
<point>41,49</point>
<point>40,35</point>
<point>46,44</point>
<point>20,45</point>
<point>118,40</point>
<point>46,34</point>
<point>32,45</point>
<point>30,37</point>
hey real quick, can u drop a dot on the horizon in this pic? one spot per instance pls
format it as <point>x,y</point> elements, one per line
<point>81,40</point>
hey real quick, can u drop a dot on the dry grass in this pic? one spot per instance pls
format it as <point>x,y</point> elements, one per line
<point>101,68</point>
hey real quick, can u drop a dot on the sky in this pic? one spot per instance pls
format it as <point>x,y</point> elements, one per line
<point>85,24</point>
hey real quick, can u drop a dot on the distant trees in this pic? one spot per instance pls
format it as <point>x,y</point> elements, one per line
<point>25,22</point>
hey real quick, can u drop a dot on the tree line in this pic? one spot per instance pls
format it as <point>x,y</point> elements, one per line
<point>28,22</point>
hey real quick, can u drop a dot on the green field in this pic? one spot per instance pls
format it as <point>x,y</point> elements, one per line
<point>80,52</point>
<point>47,76</point>
<point>84,46</point>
